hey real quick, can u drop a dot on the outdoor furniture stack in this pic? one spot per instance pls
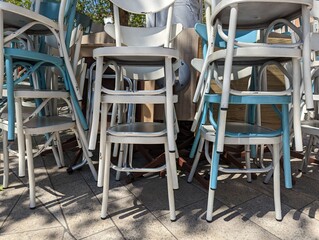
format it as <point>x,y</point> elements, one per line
<point>140,54</point>
<point>32,78</point>
<point>225,18</point>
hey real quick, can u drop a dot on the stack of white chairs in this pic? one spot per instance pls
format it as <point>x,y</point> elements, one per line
<point>140,54</point>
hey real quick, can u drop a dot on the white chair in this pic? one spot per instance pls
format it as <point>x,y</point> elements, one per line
<point>40,124</point>
<point>141,54</point>
<point>310,126</point>
<point>234,15</point>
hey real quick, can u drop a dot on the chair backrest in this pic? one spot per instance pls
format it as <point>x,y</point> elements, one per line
<point>155,36</point>
<point>143,36</point>
<point>66,15</point>
<point>315,9</point>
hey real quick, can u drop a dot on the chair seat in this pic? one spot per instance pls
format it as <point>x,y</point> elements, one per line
<point>138,129</point>
<point>41,125</point>
<point>136,55</point>
<point>265,10</point>
<point>243,133</point>
<point>310,127</point>
<point>10,11</point>
<point>255,56</point>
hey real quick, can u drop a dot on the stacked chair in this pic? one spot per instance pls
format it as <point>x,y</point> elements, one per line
<point>140,54</point>
<point>310,124</point>
<point>225,18</point>
<point>55,104</point>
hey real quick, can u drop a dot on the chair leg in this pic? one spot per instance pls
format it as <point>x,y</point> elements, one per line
<point>196,160</point>
<point>247,160</point>
<point>170,186</point>
<point>173,168</point>
<point>5,160</point>
<point>120,161</point>
<point>79,133</point>
<point>276,166</point>
<point>212,183</point>
<point>30,170</point>
<point>169,116</point>
<point>21,138</point>
<point>305,160</point>
<point>102,144</point>
<point>106,180</point>
<point>210,205</point>
<point>56,156</point>
<point>286,146</point>
<point>60,149</point>
<point>195,145</point>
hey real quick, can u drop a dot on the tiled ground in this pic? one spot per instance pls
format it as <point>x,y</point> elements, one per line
<point>68,207</point>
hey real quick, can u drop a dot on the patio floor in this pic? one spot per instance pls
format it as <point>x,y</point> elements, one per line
<point>68,207</point>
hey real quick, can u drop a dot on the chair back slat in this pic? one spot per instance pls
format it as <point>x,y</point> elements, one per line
<point>153,37</point>
<point>142,37</point>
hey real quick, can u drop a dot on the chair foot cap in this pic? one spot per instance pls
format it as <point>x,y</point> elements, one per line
<point>173,220</point>
<point>69,170</point>
<point>209,221</point>
<point>103,218</point>
<point>279,220</point>
<point>32,208</point>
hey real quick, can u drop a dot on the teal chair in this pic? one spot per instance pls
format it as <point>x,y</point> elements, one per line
<point>31,64</point>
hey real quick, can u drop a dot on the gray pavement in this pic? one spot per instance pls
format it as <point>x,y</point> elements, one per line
<point>68,207</point>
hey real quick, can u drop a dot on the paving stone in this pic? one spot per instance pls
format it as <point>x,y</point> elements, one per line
<point>50,233</point>
<point>157,200</point>
<point>135,221</point>
<point>108,234</point>
<point>233,193</point>
<point>10,196</point>
<point>291,197</point>
<point>81,209</point>
<point>23,219</point>
<point>227,224</point>
<point>295,225</point>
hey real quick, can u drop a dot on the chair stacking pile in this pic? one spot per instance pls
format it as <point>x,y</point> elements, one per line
<point>225,19</point>
<point>140,54</point>
<point>310,123</point>
<point>32,77</point>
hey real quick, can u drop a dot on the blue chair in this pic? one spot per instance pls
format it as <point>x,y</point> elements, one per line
<point>245,134</point>
<point>241,35</point>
